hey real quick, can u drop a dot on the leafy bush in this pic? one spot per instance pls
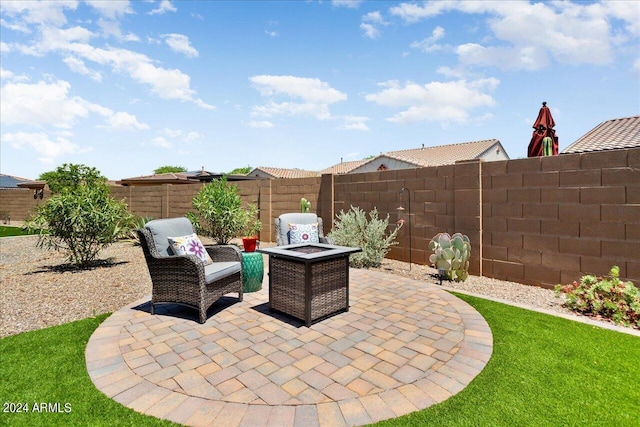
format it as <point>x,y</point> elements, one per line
<point>81,218</point>
<point>353,229</point>
<point>219,212</point>
<point>70,177</point>
<point>609,297</point>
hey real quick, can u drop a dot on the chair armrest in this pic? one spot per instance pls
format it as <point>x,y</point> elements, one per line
<point>220,253</point>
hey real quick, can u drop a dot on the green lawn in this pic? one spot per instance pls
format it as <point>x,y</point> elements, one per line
<point>9,231</point>
<point>545,371</point>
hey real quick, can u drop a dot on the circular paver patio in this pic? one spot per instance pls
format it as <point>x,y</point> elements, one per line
<point>403,346</point>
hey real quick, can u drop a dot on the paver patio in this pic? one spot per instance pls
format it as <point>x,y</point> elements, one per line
<point>403,346</point>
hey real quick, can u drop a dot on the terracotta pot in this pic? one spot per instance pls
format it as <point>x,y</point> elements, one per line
<point>249,243</point>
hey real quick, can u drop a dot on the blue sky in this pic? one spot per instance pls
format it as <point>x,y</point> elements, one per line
<point>127,87</point>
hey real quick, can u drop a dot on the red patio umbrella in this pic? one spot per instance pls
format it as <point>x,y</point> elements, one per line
<point>544,141</point>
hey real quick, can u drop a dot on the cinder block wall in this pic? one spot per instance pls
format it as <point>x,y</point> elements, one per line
<point>20,204</point>
<point>551,220</point>
<point>538,221</point>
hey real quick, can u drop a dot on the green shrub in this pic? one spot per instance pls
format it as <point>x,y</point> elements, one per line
<point>219,212</point>
<point>353,229</point>
<point>609,297</point>
<point>81,218</point>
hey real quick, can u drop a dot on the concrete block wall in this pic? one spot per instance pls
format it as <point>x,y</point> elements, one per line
<point>551,220</point>
<point>20,204</point>
<point>538,221</point>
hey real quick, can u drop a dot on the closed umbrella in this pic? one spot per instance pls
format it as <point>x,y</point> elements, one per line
<point>544,141</point>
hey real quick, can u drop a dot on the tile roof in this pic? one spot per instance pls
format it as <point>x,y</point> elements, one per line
<point>343,167</point>
<point>285,173</point>
<point>170,177</point>
<point>444,154</point>
<point>609,135</point>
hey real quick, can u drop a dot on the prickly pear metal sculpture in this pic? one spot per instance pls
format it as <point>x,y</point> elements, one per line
<point>451,254</point>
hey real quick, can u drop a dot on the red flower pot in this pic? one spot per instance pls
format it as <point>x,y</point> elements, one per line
<point>249,243</point>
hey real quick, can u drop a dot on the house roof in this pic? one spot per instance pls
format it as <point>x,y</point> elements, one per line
<point>11,182</point>
<point>284,173</point>
<point>609,135</point>
<point>444,154</point>
<point>162,178</point>
<point>343,167</point>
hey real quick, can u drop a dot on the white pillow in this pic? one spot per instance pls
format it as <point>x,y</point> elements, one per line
<point>303,233</point>
<point>190,245</point>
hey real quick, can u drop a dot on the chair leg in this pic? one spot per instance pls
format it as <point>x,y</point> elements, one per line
<point>203,316</point>
<point>152,306</point>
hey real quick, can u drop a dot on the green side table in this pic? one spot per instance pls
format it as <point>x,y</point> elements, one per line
<point>252,271</point>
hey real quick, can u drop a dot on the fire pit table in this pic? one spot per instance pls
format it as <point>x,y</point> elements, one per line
<point>309,281</point>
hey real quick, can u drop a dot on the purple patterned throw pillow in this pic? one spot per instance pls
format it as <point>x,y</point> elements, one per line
<point>190,245</point>
<point>303,233</point>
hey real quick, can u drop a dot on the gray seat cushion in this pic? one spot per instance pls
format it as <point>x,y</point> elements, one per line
<point>219,270</point>
<point>162,229</point>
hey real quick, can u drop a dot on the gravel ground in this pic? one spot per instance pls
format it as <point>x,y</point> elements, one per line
<point>39,291</point>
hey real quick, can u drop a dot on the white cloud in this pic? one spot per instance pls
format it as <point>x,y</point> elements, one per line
<point>18,26</point>
<point>171,133</point>
<point>369,24</point>
<point>429,44</point>
<point>41,104</point>
<point>40,12</point>
<point>319,111</point>
<point>165,6</point>
<point>111,9</point>
<point>180,43</point>
<point>7,75</point>
<point>160,142</point>
<point>260,124</point>
<point>441,102</point>
<point>308,89</point>
<point>351,4</point>
<point>193,137</point>
<point>374,18</point>
<point>47,149</point>
<point>111,27</point>
<point>411,12</point>
<point>370,30</point>
<point>4,47</point>
<point>314,95</point>
<point>78,66</point>
<point>125,121</point>
<point>355,123</point>
<point>165,83</point>
<point>530,35</point>
<point>49,104</point>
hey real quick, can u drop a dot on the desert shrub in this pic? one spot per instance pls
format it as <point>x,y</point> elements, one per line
<point>353,229</point>
<point>609,297</point>
<point>219,212</point>
<point>81,218</point>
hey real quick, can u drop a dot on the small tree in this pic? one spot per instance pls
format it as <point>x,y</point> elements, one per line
<point>70,177</point>
<point>353,229</point>
<point>219,212</point>
<point>169,169</point>
<point>241,171</point>
<point>81,218</point>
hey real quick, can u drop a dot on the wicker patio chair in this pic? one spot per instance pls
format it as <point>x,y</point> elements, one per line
<point>185,279</point>
<point>283,221</point>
